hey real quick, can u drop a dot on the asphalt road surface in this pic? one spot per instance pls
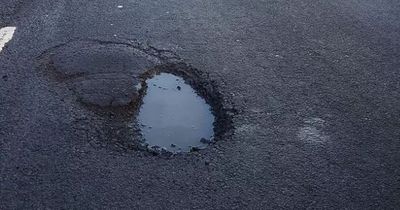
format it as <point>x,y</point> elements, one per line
<point>311,89</point>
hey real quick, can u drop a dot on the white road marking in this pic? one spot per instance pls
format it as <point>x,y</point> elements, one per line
<point>6,34</point>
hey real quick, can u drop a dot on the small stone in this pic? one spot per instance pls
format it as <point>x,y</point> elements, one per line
<point>205,141</point>
<point>194,149</point>
<point>179,87</point>
<point>5,77</point>
<point>173,145</point>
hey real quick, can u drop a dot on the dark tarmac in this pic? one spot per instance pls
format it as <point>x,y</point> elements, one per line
<point>307,94</point>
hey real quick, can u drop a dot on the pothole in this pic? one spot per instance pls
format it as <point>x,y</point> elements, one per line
<point>136,97</point>
<point>173,116</point>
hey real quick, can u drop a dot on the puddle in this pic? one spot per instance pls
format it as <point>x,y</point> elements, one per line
<point>173,116</point>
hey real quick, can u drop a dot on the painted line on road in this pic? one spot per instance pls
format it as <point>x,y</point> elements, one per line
<point>6,34</point>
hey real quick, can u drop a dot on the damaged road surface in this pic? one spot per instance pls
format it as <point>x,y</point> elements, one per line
<point>134,94</point>
<point>199,104</point>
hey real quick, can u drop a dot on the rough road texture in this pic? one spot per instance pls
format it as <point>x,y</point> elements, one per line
<point>100,74</point>
<point>315,83</point>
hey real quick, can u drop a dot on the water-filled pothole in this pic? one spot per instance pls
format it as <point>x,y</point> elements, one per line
<point>173,116</point>
<point>106,82</point>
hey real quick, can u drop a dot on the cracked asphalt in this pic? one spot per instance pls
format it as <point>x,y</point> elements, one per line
<point>314,86</point>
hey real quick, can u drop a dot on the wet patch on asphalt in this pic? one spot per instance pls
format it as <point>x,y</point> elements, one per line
<point>312,131</point>
<point>110,80</point>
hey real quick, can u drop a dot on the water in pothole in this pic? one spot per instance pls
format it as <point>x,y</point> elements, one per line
<point>173,116</point>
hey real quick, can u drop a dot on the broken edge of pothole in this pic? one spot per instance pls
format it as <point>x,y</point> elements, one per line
<point>204,87</point>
